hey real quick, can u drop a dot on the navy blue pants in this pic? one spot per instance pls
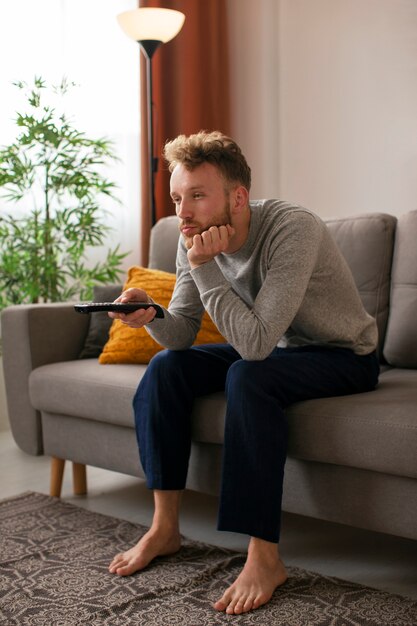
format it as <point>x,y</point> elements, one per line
<point>256,430</point>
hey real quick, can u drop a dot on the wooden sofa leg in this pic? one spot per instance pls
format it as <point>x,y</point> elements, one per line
<point>79,479</point>
<point>57,474</point>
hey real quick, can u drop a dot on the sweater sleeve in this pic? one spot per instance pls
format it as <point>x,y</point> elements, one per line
<point>254,331</point>
<point>182,319</point>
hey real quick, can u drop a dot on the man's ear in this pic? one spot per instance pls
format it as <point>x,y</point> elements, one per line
<point>240,199</point>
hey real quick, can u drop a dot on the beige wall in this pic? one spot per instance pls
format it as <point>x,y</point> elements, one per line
<point>325,101</point>
<point>254,88</point>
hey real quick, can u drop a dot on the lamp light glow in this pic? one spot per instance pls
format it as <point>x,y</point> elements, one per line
<point>151,24</point>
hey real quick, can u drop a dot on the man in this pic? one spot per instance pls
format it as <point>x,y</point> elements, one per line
<point>268,273</point>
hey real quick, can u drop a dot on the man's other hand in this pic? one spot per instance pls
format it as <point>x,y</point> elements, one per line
<point>209,244</point>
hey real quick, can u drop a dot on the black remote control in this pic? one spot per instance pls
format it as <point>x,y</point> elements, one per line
<point>117,307</point>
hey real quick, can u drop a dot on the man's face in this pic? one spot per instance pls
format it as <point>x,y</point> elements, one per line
<point>200,199</point>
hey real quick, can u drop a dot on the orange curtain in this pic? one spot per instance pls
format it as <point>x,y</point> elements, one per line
<point>190,91</point>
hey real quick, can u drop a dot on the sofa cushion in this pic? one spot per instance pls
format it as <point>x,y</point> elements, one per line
<point>367,242</point>
<point>135,345</point>
<point>105,394</point>
<point>86,389</point>
<point>375,431</point>
<point>400,347</point>
<point>99,322</point>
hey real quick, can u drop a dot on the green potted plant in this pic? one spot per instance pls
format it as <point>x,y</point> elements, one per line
<point>53,174</point>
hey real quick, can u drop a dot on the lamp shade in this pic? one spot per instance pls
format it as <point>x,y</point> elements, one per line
<point>151,24</point>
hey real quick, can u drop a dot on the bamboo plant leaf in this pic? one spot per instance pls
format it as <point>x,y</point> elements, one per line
<point>58,173</point>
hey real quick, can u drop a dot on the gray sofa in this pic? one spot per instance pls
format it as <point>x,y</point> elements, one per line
<point>351,459</point>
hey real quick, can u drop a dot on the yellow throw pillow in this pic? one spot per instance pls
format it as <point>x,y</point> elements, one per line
<point>135,345</point>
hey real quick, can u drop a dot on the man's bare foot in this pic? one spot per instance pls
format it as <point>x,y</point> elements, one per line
<point>155,542</point>
<point>262,573</point>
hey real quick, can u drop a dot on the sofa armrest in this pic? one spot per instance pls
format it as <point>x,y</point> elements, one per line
<point>34,335</point>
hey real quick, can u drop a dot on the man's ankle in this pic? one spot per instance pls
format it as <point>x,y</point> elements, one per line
<point>262,548</point>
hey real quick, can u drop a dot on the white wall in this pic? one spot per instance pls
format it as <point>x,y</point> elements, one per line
<point>331,87</point>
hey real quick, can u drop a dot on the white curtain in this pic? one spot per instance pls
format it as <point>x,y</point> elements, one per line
<point>82,40</point>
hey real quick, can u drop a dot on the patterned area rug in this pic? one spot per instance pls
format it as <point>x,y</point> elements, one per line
<point>53,572</point>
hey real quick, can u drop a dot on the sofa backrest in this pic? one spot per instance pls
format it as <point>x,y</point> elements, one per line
<point>163,244</point>
<point>367,243</point>
<point>400,348</point>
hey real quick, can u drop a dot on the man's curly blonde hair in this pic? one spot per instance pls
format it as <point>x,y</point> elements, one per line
<point>214,148</point>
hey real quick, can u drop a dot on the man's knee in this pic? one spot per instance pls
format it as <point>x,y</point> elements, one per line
<point>160,368</point>
<point>257,379</point>
<point>245,372</point>
<point>167,361</point>
<point>164,380</point>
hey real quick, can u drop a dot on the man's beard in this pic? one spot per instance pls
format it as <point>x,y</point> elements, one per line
<point>221,219</point>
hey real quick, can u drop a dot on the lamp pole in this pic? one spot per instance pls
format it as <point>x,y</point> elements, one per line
<point>149,46</point>
<point>151,27</point>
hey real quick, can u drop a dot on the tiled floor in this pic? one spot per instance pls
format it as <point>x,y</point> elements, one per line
<point>382,561</point>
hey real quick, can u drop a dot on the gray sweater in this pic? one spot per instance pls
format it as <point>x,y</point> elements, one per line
<point>288,285</point>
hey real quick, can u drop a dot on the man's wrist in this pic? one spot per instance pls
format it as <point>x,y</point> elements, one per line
<point>194,264</point>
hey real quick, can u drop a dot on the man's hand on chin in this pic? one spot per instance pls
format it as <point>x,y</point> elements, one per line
<point>211,242</point>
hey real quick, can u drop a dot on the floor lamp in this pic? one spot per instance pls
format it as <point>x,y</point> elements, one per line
<point>151,28</point>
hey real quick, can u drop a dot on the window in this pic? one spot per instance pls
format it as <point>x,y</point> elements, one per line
<point>82,40</point>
